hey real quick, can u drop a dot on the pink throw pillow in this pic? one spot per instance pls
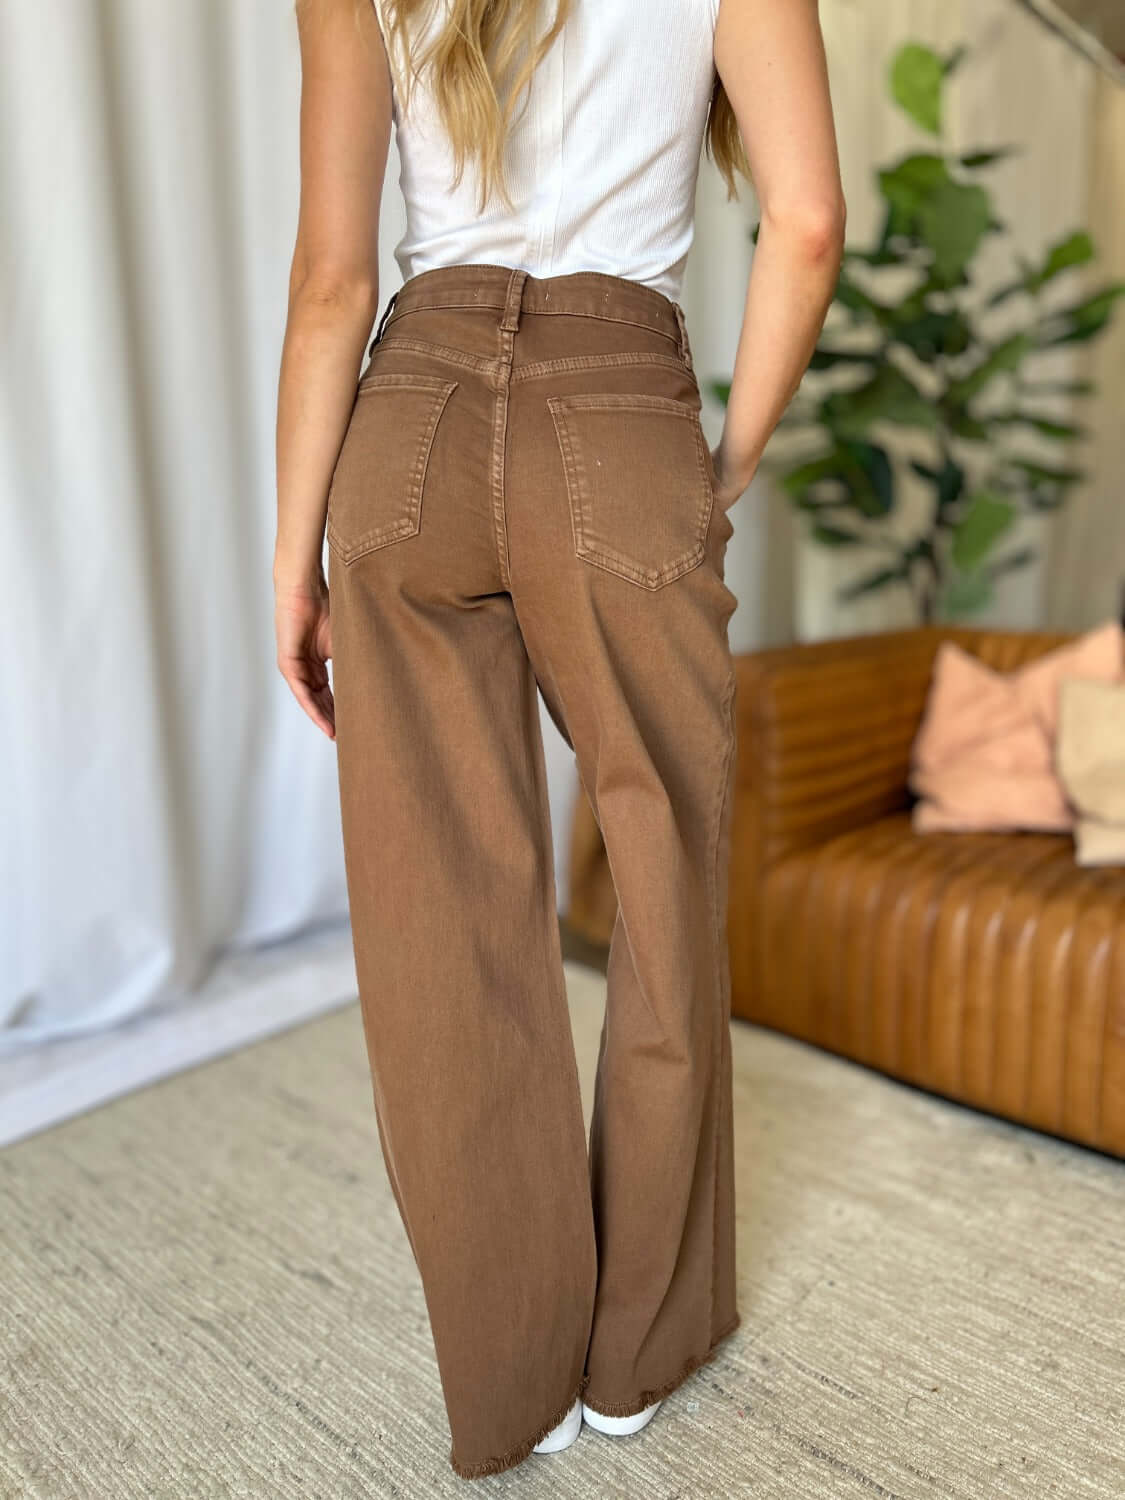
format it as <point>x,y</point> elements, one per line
<point>983,758</point>
<point>1097,654</point>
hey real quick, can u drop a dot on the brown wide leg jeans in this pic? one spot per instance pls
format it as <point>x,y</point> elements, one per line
<point>524,500</point>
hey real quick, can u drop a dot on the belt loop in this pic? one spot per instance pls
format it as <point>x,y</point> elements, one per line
<point>383,321</point>
<point>513,300</point>
<point>685,345</point>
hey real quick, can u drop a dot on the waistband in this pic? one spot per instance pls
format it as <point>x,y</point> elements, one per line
<point>513,291</point>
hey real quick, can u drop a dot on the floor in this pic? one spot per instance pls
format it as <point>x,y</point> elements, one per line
<point>208,1293</point>
<point>246,997</point>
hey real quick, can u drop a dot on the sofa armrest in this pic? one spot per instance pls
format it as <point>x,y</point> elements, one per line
<point>824,737</point>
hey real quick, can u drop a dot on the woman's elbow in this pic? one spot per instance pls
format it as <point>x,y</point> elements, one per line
<point>332,287</point>
<point>815,228</point>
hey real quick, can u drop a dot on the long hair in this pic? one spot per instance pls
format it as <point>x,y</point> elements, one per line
<point>482,58</point>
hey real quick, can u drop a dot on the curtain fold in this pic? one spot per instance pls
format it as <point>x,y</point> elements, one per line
<point>165,799</point>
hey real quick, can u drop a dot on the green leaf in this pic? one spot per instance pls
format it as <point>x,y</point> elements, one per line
<point>857,474</point>
<point>966,593</point>
<point>921,550</point>
<point>1004,358</point>
<point>827,359</point>
<point>948,481</point>
<point>907,185</point>
<point>1058,387</point>
<point>799,481</point>
<point>877,496</point>
<point>813,503</point>
<point>887,397</point>
<point>856,300</point>
<point>917,74</point>
<point>1045,474</point>
<point>805,475</point>
<point>976,160</point>
<point>720,389</point>
<point>871,583</point>
<point>1082,321</point>
<point>1076,250</point>
<point>1047,426</point>
<point>985,520</point>
<point>835,536</point>
<point>952,221</point>
<point>882,255</point>
<point>931,476</point>
<point>933,335</point>
<point>1011,562</point>
<point>964,425</point>
<point>1058,431</point>
<point>896,245</point>
<point>1006,293</point>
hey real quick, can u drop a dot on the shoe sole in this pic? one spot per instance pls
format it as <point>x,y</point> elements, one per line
<point>619,1426</point>
<point>564,1434</point>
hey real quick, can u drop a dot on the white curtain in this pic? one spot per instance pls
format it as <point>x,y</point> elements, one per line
<point>164,801</point>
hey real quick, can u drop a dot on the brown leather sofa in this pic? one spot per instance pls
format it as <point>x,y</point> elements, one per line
<point>989,968</point>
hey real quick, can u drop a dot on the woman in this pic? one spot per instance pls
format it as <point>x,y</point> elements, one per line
<point>518,497</point>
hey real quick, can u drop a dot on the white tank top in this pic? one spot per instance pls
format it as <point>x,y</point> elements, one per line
<point>603,160</point>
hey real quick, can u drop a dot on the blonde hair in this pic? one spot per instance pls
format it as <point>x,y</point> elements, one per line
<point>482,58</point>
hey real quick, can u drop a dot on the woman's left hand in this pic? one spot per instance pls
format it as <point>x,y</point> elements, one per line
<point>303,627</point>
<point>729,486</point>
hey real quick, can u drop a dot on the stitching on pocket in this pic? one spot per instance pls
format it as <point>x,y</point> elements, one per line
<point>578,487</point>
<point>409,522</point>
<point>444,352</point>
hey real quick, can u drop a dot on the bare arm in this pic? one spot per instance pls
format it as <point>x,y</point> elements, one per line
<point>333,300</point>
<point>770,57</point>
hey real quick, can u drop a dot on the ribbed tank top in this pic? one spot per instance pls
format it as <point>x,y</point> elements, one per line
<point>603,161</point>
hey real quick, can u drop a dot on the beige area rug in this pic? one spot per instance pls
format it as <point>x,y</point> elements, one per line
<point>207,1293</point>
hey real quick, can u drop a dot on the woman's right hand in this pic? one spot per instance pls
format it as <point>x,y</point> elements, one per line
<point>303,627</point>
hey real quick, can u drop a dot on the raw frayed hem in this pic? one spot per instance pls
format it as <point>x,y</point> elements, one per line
<point>518,1454</point>
<point>658,1393</point>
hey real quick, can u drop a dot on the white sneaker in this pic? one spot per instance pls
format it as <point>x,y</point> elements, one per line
<point>619,1426</point>
<point>564,1434</point>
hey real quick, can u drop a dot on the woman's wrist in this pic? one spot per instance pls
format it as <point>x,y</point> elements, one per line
<point>292,576</point>
<point>736,469</point>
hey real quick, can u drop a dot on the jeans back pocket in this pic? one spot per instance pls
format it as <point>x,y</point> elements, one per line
<point>375,497</point>
<point>639,482</point>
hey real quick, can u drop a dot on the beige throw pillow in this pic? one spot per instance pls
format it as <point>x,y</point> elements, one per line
<point>1090,755</point>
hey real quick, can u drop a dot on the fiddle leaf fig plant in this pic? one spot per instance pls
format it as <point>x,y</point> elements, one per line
<point>914,381</point>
